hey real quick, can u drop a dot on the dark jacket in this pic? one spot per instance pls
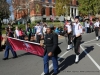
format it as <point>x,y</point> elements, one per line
<point>51,44</point>
<point>29,30</point>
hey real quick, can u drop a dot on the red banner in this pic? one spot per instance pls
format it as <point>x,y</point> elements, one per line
<point>27,46</point>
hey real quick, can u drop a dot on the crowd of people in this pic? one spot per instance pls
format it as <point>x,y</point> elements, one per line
<point>38,31</point>
<point>89,26</point>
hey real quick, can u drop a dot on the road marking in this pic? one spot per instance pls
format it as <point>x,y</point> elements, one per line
<point>58,59</point>
<point>83,50</point>
<point>98,45</point>
<point>89,41</point>
<point>90,44</point>
<point>96,64</point>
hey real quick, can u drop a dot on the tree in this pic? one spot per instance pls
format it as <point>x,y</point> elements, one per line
<point>62,7</point>
<point>4,13</point>
<point>87,7</point>
<point>4,9</point>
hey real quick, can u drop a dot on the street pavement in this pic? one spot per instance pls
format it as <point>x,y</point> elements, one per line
<point>29,64</point>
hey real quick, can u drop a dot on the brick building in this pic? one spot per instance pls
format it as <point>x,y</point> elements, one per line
<point>35,9</point>
<point>38,9</point>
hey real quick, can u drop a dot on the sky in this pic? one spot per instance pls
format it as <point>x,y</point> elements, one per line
<point>11,9</point>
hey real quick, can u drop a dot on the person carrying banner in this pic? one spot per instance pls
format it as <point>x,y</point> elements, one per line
<point>51,50</point>
<point>7,48</point>
<point>96,27</point>
<point>77,30</point>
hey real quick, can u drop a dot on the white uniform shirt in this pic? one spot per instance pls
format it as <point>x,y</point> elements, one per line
<point>85,24</point>
<point>77,30</point>
<point>38,29</point>
<point>17,32</point>
<point>69,28</point>
<point>88,24</point>
<point>97,24</point>
<point>44,29</point>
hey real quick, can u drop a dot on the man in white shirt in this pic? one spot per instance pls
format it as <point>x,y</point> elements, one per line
<point>77,30</point>
<point>69,33</point>
<point>96,26</point>
<point>44,29</point>
<point>39,32</point>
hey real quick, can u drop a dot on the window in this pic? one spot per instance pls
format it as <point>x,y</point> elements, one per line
<point>43,0</point>
<point>50,11</point>
<point>49,1</point>
<point>43,11</point>
<point>77,3</point>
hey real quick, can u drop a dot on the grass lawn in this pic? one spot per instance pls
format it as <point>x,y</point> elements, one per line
<point>56,24</point>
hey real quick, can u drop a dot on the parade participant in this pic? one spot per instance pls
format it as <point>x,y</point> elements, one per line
<point>7,48</point>
<point>96,27</point>
<point>51,50</point>
<point>69,33</point>
<point>77,30</point>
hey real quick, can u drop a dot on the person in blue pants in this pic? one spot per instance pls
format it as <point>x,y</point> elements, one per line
<point>51,50</point>
<point>7,48</point>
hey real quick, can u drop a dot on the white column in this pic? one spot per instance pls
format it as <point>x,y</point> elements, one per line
<point>73,12</point>
<point>77,12</point>
<point>70,12</point>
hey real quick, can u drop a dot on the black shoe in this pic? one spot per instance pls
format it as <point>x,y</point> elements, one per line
<point>54,73</point>
<point>15,57</point>
<point>47,74</point>
<point>5,58</point>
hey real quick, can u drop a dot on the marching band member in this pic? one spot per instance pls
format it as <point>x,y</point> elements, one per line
<point>69,33</point>
<point>77,30</point>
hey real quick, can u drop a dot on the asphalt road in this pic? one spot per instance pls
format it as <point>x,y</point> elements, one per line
<point>28,64</point>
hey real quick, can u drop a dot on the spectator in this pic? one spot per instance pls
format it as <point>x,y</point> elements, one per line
<point>33,31</point>
<point>20,34</point>
<point>10,33</point>
<point>38,32</point>
<point>88,26</point>
<point>44,29</point>
<point>26,38</point>
<point>57,31</point>
<point>33,38</point>
<point>17,33</point>
<point>29,31</point>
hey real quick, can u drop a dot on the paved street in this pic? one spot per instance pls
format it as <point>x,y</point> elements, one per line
<point>28,64</point>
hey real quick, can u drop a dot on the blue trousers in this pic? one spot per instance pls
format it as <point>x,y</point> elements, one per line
<point>8,47</point>
<point>46,63</point>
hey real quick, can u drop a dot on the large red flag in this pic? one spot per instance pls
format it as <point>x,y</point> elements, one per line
<point>27,46</point>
